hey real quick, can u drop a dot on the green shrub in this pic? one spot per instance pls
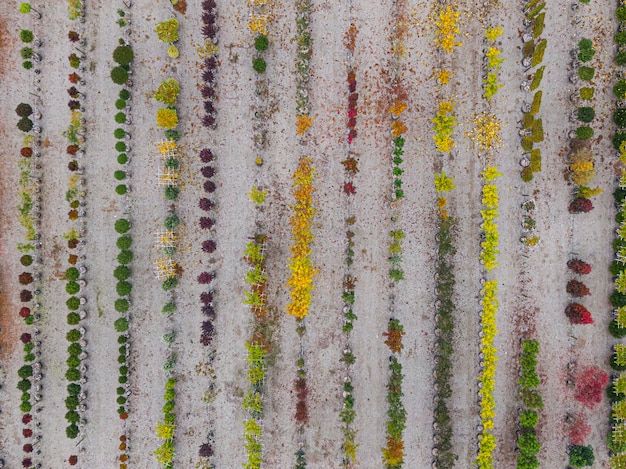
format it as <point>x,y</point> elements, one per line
<point>72,288</point>
<point>123,370</point>
<point>615,330</point>
<point>616,366</point>
<point>527,461</point>
<point>25,371</point>
<point>586,93</point>
<point>125,256</point>
<point>72,303</point>
<point>581,456</point>
<point>537,77</point>
<point>537,131</point>
<point>71,431</point>
<point>124,242</point>
<point>73,318</point>
<point>122,226</point>
<point>619,89</point>
<point>172,134</point>
<point>72,273</point>
<point>121,272</point>
<point>24,385</point>
<point>528,48</point>
<point>123,288</point>
<point>527,143</point>
<point>119,75</point>
<point>121,189</point>
<point>527,120</point>
<point>121,359</point>
<point>119,133</point>
<point>620,58</point>
<point>74,349</point>
<point>120,104</point>
<point>120,117</point>
<point>123,55</point>
<point>73,335</point>
<point>620,38</point>
<point>538,25</point>
<point>620,13</point>
<point>122,339</point>
<point>124,94</point>
<point>25,124</point>
<point>171,163</point>
<point>259,65</point>
<point>169,308</point>
<point>529,418</point>
<point>71,402</point>
<point>72,416</point>
<point>586,55</point>
<point>120,147</point>
<point>25,407</point>
<point>586,73</point>
<point>119,175</point>
<point>72,362</point>
<point>585,44</point>
<point>528,443</point>
<point>531,398</point>
<point>72,374</point>
<point>26,52</point>
<point>121,325</point>
<point>169,283</point>
<point>619,117</point>
<point>171,222</point>
<point>536,104</point>
<point>121,305</point>
<point>538,53</point>
<point>26,260</point>
<point>535,160</point>
<point>584,132</point>
<point>618,139</point>
<point>613,445</point>
<point>171,192</point>
<point>27,64</point>
<point>122,158</point>
<point>586,114</point>
<point>261,43</point>
<point>26,35</point>
<point>122,379</point>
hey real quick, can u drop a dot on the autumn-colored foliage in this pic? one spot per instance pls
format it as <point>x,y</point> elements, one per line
<point>580,205</point>
<point>590,384</point>
<point>577,289</point>
<point>579,267</point>
<point>578,314</point>
<point>394,335</point>
<point>579,429</point>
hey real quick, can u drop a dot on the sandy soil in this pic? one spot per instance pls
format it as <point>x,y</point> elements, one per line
<point>532,283</point>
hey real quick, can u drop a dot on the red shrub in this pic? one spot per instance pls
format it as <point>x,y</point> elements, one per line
<point>579,267</point>
<point>27,432</point>
<point>26,152</point>
<point>205,278</point>
<point>72,149</point>
<point>74,78</point>
<point>208,171</point>
<point>73,36</point>
<point>302,415</point>
<point>206,297</point>
<point>208,76</point>
<point>206,223</point>
<point>73,104</point>
<point>27,418</point>
<point>25,296</point>
<point>580,205</point>
<point>209,246</point>
<point>208,120</point>
<point>27,448</point>
<point>27,462</point>
<point>352,122</point>
<point>352,86</point>
<point>208,92</point>
<point>349,188</point>
<point>206,450</point>
<point>578,314</point>
<point>73,460</point>
<point>590,384</point>
<point>577,289</point>
<point>24,312</point>
<point>206,155</point>
<point>209,108</point>
<point>25,338</point>
<point>579,430</point>
<point>210,63</point>
<point>73,92</point>
<point>353,98</point>
<point>206,204</point>
<point>25,278</point>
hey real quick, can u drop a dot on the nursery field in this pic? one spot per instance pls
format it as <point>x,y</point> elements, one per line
<point>322,234</point>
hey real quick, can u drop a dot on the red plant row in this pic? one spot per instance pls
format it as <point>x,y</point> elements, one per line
<point>209,31</point>
<point>575,312</point>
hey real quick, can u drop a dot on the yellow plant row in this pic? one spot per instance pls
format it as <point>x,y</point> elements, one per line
<point>486,440</point>
<point>490,200</point>
<point>447,29</point>
<point>445,122</point>
<point>301,265</point>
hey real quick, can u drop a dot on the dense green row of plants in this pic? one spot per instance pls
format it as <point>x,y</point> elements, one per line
<point>527,442</point>
<point>533,51</point>
<point>253,404</point>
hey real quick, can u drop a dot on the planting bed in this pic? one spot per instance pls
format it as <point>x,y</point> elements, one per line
<point>312,234</point>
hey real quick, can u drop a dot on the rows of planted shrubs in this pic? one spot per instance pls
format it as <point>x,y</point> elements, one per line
<point>527,441</point>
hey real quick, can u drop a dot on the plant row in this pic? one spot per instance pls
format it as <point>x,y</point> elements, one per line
<point>533,50</point>
<point>527,441</point>
<point>123,57</point>
<point>209,55</point>
<point>303,73</point>
<point>492,62</point>
<point>393,452</point>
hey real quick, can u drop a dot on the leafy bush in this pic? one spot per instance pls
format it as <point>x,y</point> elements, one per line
<point>72,288</point>
<point>172,134</point>
<point>121,305</point>
<point>586,73</point>
<point>581,456</point>
<point>74,349</point>
<point>259,65</point>
<point>167,31</point>
<point>73,318</point>
<point>121,325</point>
<point>169,308</point>
<point>120,146</point>
<point>119,175</point>
<point>619,89</point>
<point>171,222</point>
<point>72,431</point>
<point>72,274</point>
<point>119,75</point>
<point>23,110</point>
<point>119,133</point>
<point>123,55</point>
<point>618,139</point>
<point>27,64</point>
<point>124,94</point>
<point>26,371</point>
<point>120,104</point>
<point>72,303</point>
<point>167,118</point>
<point>584,132</point>
<point>577,289</point>
<point>620,58</point>
<point>615,330</point>
<point>586,93</point>
<point>121,189</point>
<point>169,283</point>
<point>26,35</point>
<point>26,52</point>
<point>125,257</point>
<point>123,288</point>
<point>261,42</point>
<point>579,267</point>
<point>72,374</point>
<point>124,242</point>
<point>25,124</point>
<point>122,158</point>
<point>620,38</point>
<point>586,114</point>
<point>590,384</point>
<point>26,260</point>
<point>619,117</point>
<point>167,92</point>
<point>120,117</point>
<point>578,314</point>
<point>122,226</point>
<point>171,192</point>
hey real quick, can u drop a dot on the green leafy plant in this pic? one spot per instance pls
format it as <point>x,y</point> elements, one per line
<point>119,75</point>
<point>586,73</point>
<point>123,55</point>
<point>122,226</point>
<point>586,114</point>
<point>259,65</point>
<point>167,31</point>
<point>26,35</point>
<point>584,132</point>
<point>261,42</point>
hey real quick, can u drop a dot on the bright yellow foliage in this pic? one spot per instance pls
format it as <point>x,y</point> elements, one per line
<point>492,34</point>
<point>166,147</point>
<point>397,128</point>
<point>443,77</point>
<point>447,29</point>
<point>301,265</point>
<point>303,122</point>
<point>443,183</point>
<point>445,122</point>
<point>398,108</point>
<point>167,118</point>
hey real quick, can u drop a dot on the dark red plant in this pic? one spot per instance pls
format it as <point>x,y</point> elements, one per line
<point>208,171</point>
<point>209,246</point>
<point>208,92</point>
<point>579,429</point>
<point>579,267</point>
<point>72,149</point>
<point>74,78</point>
<point>26,152</point>
<point>353,98</point>
<point>578,314</point>
<point>27,448</point>
<point>302,415</point>
<point>27,432</point>
<point>206,18</point>
<point>210,63</point>
<point>27,418</point>
<point>349,188</point>
<point>72,243</point>
<point>590,384</point>
<point>73,36</point>
<point>25,338</point>
<point>206,297</point>
<point>351,112</point>
<point>208,311</point>
<point>73,105</point>
<point>208,120</point>
<point>352,122</point>
<point>209,108</point>
<point>25,278</point>
<point>73,460</point>
<point>205,339</point>
<point>206,223</point>
<point>206,450</point>
<point>206,204</point>
<point>210,30</point>
<point>205,278</point>
<point>207,75</point>
<point>25,296</point>
<point>352,134</point>
<point>73,92</point>
<point>208,5</point>
<point>72,165</point>
<point>577,289</point>
<point>580,205</point>
<point>206,155</point>
<point>207,327</point>
<point>209,186</point>
<point>24,312</point>
<point>27,462</point>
